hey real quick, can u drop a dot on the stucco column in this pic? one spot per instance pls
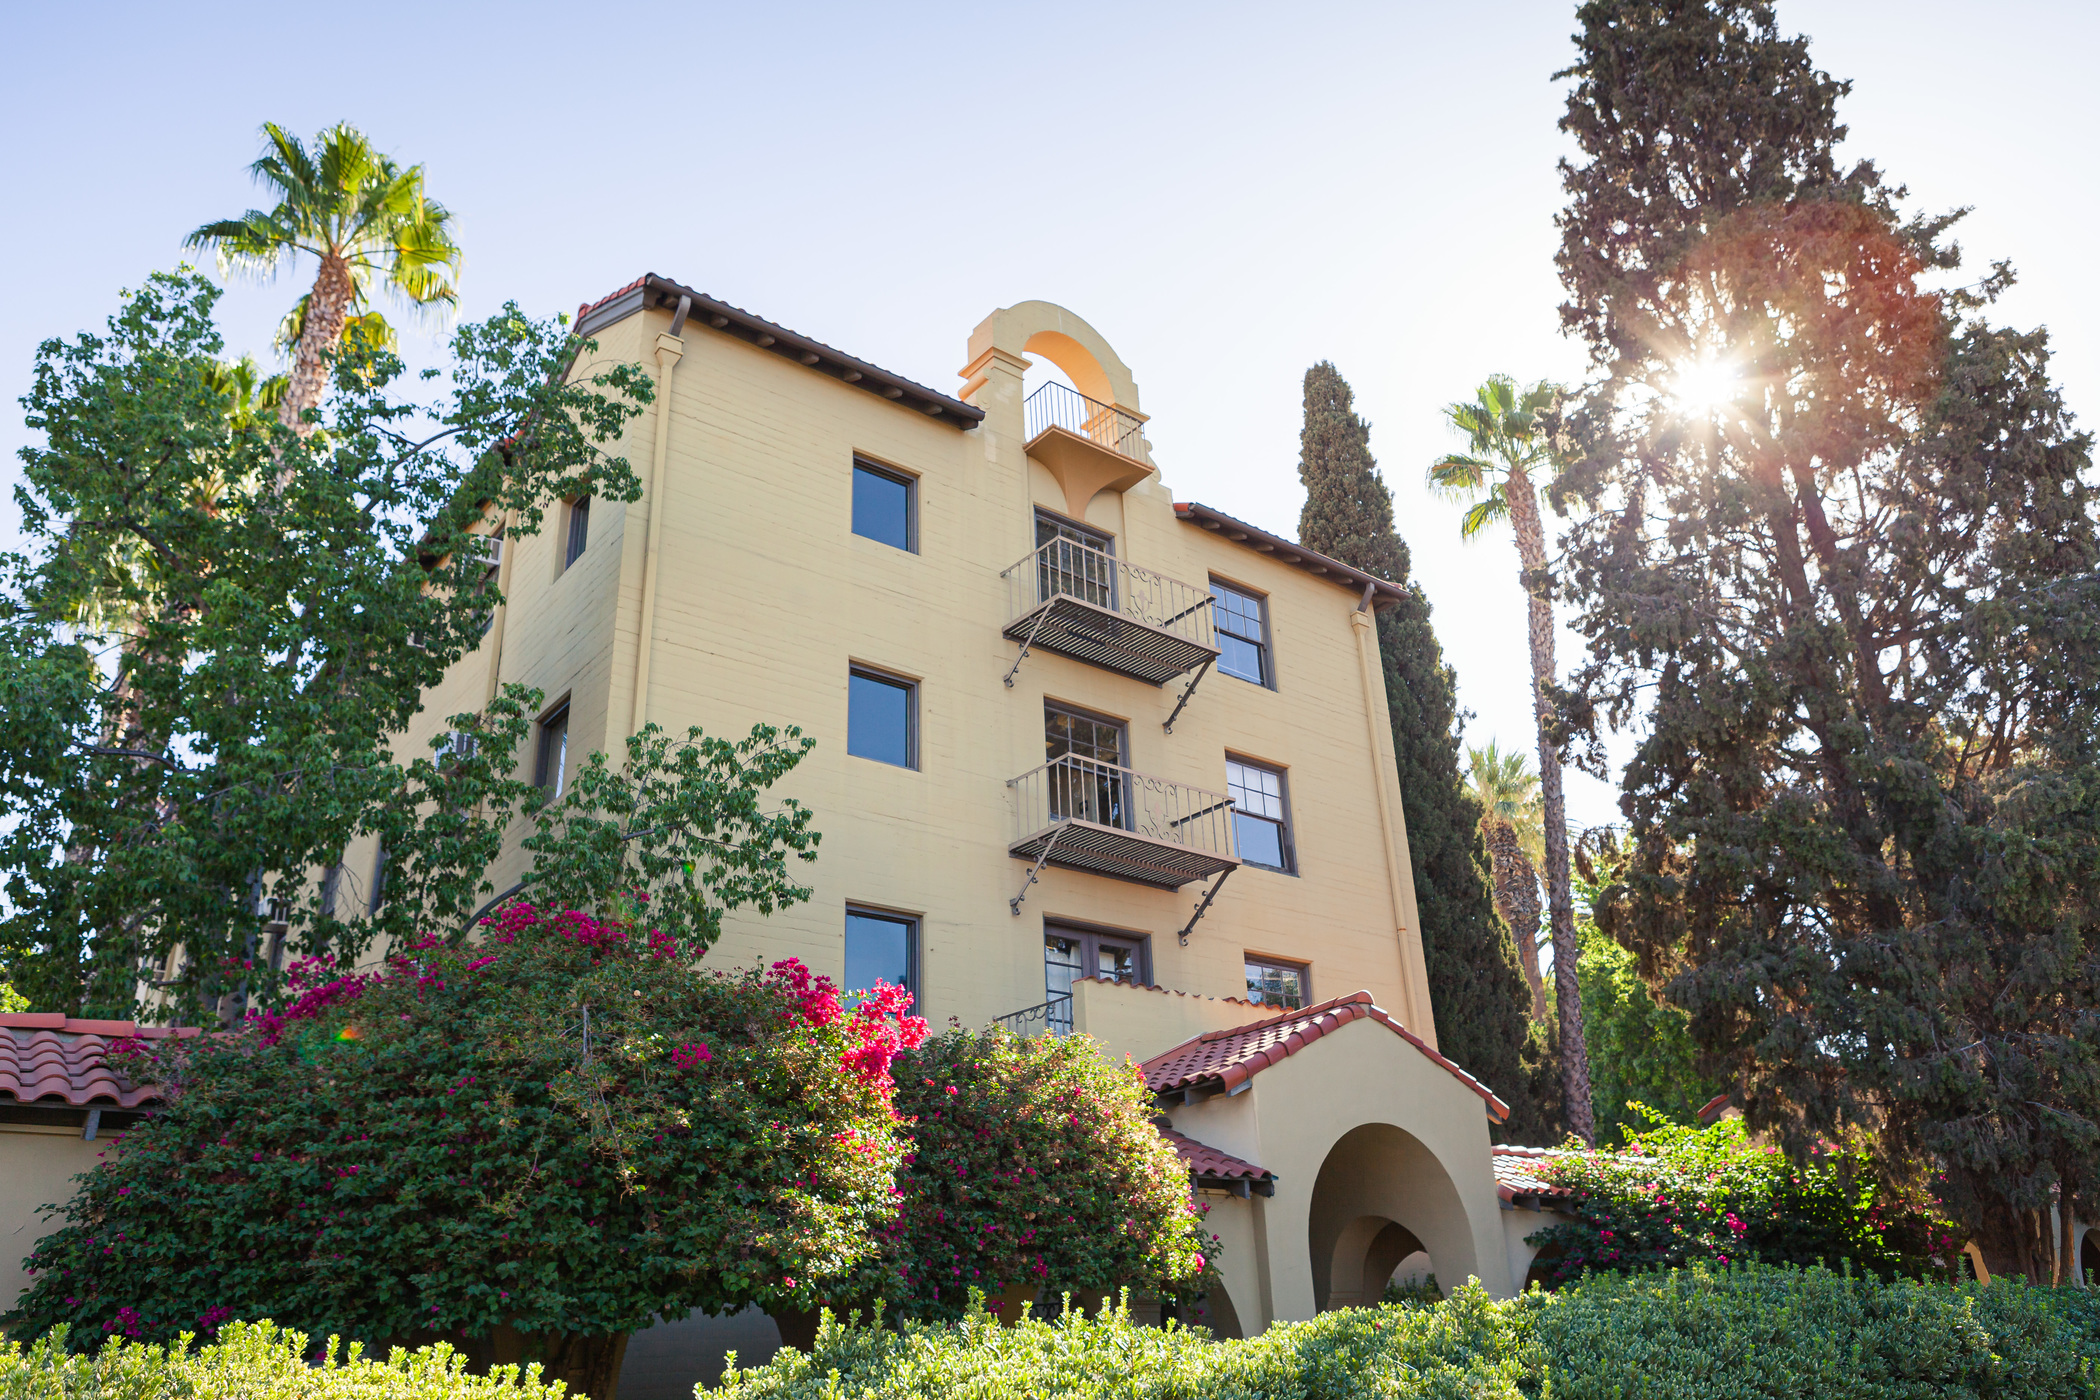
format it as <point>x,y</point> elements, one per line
<point>669,350</point>
<point>1392,821</point>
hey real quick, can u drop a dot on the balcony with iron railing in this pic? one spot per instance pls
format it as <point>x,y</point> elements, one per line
<point>1061,408</point>
<point>1087,604</point>
<point>1082,814</point>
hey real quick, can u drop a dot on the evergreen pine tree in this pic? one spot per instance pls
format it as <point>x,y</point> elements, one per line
<point>1476,984</point>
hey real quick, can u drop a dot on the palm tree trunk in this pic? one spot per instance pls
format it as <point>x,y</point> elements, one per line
<point>327,311</point>
<point>1560,890</point>
<point>1517,901</point>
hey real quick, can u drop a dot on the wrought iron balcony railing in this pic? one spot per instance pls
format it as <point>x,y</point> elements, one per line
<point>1091,606</point>
<point>1085,815</point>
<point>1058,406</point>
<point>1054,1016</point>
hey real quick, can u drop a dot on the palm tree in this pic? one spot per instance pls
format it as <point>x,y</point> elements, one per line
<point>1508,792</point>
<point>364,219</point>
<point>1505,445</point>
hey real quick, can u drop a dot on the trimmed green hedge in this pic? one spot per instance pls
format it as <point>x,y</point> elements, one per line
<point>1694,1334</point>
<point>1754,1331</point>
<point>250,1361</point>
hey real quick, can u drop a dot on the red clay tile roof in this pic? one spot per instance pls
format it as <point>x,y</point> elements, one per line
<point>1517,1173</point>
<point>50,1058</point>
<point>1229,1058</point>
<point>1205,1160</point>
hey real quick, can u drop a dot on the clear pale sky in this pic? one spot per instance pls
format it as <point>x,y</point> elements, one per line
<point>1229,193</point>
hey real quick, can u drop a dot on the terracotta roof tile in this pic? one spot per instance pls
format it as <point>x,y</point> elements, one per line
<point>1229,1058</point>
<point>51,1058</point>
<point>1517,1172</point>
<point>1205,1160</point>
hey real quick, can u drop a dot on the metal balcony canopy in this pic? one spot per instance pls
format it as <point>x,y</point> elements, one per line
<point>653,292</point>
<point>1083,814</point>
<point>1087,604</point>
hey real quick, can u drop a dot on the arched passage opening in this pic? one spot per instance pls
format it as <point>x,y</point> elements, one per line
<point>1382,1197</point>
<point>2089,1258</point>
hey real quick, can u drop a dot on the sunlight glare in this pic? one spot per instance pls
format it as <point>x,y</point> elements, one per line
<point>1701,386</point>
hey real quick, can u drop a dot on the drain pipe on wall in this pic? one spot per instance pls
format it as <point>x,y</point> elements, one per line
<point>669,350</point>
<point>1415,977</point>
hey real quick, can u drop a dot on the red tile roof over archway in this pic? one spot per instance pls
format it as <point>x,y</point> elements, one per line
<point>53,1059</point>
<point>1224,1060</point>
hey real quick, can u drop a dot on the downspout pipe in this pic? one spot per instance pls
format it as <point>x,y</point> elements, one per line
<point>670,348</point>
<point>1385,767</point>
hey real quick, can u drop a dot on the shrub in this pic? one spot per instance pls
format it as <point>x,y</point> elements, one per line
<point>1674,1196</point>
<point>1033,1160</point>
<point>255,1361</point>
<point>563,1131</point>
<point>1692,1334</point>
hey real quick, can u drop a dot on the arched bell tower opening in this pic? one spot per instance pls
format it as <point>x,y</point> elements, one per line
<point>1380,1199</point>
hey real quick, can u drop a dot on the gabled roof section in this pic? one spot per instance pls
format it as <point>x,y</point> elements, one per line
<point>1380,593</point>
<point>1223,1061</point>
<point>50,1059</point>
<point>651,291</point>
<point>1220,1171</point>
<point>1519,1174</point>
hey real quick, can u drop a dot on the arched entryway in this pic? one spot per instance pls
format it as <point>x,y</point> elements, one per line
<point>1380,1198</point>
<point>2089,1258</point>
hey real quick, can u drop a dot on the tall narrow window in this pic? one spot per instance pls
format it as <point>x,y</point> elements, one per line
<point>884,506</point>
<point>882,718</point>
<point>378,896</point>
<point>1283,985</point>
<point>1261,819</point>
<point>551,770</point>
<point>1074,561</point>
<point>579,530</point>
<point>1090,781</point>
<point>1070,954</point>
<point>1243,632</point>
<point>881,947</point>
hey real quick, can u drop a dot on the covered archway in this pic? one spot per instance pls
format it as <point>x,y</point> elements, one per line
<point>1380,1196</point>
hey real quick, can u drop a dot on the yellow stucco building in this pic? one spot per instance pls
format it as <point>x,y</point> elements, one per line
<point>1058,717</point>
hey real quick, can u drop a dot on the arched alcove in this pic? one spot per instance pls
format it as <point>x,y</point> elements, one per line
<point>1381,1196</point>
<point>2089,1257</point>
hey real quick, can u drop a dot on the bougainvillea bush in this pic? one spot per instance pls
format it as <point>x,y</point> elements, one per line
<point>558,1130</point>
<point>1033,1161</point>
<point>1674,1196</point>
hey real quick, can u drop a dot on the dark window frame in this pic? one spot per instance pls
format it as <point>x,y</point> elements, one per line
<point>914,931</point>
<point>1265,644</point>
<point>910,483</point>
<point>910,686</point>
<point>577,537</point>
<point>1090,940</point>
<point>1044,515</point>
<point>1286,825</point>
<point>554,721</point>
<point>1303,969</point>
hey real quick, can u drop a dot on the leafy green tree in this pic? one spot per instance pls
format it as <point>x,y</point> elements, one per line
<point>1476,984</point>
<point>1840,559</point>
<point>1506,446</point>
<point>1508,793</point>
<point>364,219</point>
<point>1641,1049</point>
<point>527,1146</point>
<point>220,629</point>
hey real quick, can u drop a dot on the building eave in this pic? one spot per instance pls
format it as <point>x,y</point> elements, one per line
<point>1378,591</point>
<point>651,292</point>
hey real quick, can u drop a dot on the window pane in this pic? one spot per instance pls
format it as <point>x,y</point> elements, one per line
<point>1258,791</point>
<point>881,507</point>
<point>878,719</point>
<point>1260,841</point>
<point>579,529</point>
<point>1116,963</point>
<point>1271,985</point>
<point>1241,658</point>
<point>878,949</point>
<point>554,752</point>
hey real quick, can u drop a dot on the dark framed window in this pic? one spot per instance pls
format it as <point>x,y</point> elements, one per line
<point>885,506</point>
<point>1242,620</point>
<point>550,769</point>
<point>1072,953</point>
<point>881,947</point>
<point>1094,785</point>
<point>579,530</point>
<point>378,896</point>
<point>882,718</point>
<point>1261,814</point>
<point>1286,986</point>
<point>1074,560</point>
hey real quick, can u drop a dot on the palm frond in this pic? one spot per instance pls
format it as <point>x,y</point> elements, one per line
<point>1486,513</point>
<point>1457,477</point>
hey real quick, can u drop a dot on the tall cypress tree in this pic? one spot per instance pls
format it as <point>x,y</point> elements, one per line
<point>1476,984</point>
